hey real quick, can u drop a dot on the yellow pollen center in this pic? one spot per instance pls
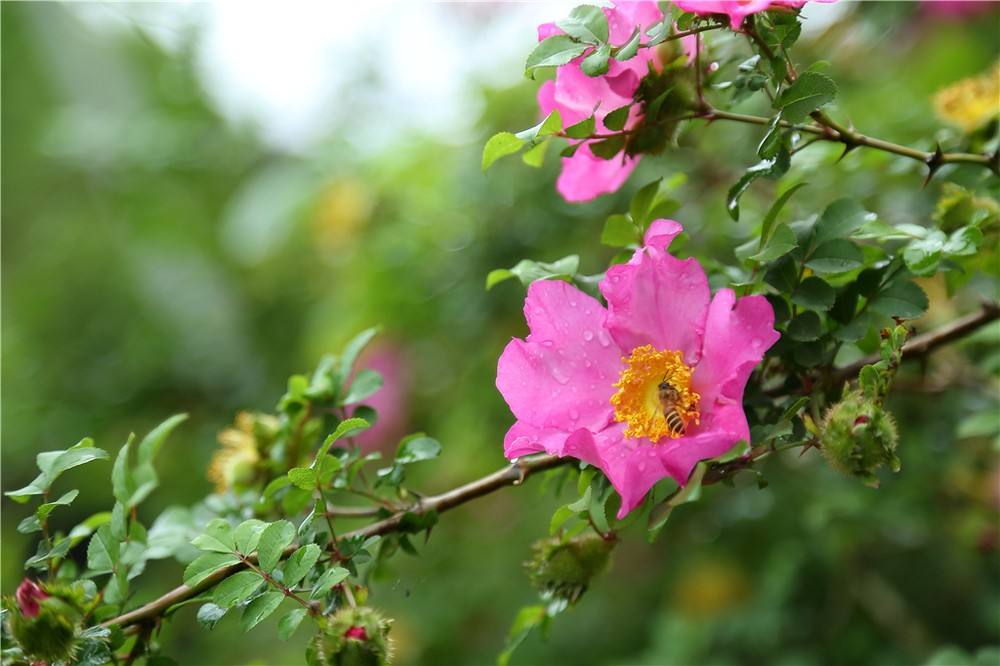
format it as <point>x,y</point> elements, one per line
<point>653,391</point>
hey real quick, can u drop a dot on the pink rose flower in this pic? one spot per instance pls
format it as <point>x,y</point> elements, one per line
<point>585,176</point>
<point>736,10</point>
<point>28,595</point>
<point>645,388</point>
<point>389,401</point>
<point>958,9</point>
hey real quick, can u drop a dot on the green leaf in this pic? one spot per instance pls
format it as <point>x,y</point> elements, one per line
<point>299,564</point>
<point>364,384</point>
<point>103,551</point>
<point>583,129</point>
<point>770,144</point>
<point>606,149</point>
<point>52,465</point>
<point>840,220</point>
<point>288,624</point>
<point>122,482</point>
<point>619,231</point>
<point>690,492</point>
<point>922,256</point>
<point>549,126</point>
<point>528,271</point>
<point>236,589</point>
<point>835,256</point>
<point>258,609</point>
<point>353,349</point>
<point>500,145</point>
<point>417,447</point>
<point>615,120</point>
<point>205,565</point>
<point>810,91</point>
<point>535,156</point>
<point>43,511</point>
<point>330,577</point>
<point>781,243</point>
<point>554,51</point>
<point>560,516</point>
<point>273,541</point>
<point>814,293</point>
<point>217,537</point>
<point>596,64</point>
<point>902,298</point>
<point>346,428</point>
<point>247,534</point>
<point>528,619</point>
<point>767,168</point>
<point>805,327</point>
<point>586,23</point>
<point>964,242</point>
<point>209,615</point>
<point>628,50</point>
<point>303,477</point>
<point>145,474</point>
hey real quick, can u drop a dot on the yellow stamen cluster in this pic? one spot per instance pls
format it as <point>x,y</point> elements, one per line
<point>236,460</point>
<point>971,102</point>
<point>637,402</point>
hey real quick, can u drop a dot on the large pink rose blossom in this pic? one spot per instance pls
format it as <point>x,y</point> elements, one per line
<point>736,10</point>
<point>585,176</point>
<point>587,382</point>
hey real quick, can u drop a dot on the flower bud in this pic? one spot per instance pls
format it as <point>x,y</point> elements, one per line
<point>564,568</point>
<point>44,626</point>
<point>858,437</point>
<point>351,637</point>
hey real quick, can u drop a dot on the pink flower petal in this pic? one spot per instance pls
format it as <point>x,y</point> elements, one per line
<point>524,439</point>
<point>723,424</point>
<point>737,10</point>
<point>561,375</point>
<point>657,299</point>
<point>737,333</point>
<point>585,176</point>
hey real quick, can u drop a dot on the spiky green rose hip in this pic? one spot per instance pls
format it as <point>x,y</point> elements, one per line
<point>860,436</point>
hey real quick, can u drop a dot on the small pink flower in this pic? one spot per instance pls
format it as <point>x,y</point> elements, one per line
<point>356,633</point>
<point>585,176</point>
<point>389,401</point>
<point>28,595</point>
<point>645,388</point>
<point>736,10</point>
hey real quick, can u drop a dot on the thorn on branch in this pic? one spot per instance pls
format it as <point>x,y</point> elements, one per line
<point>934,162</point>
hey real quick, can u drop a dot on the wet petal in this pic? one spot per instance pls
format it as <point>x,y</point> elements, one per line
<point>585,176</point>
<point>737,333</point>
<point>561,375</point>
<point>656,298</point>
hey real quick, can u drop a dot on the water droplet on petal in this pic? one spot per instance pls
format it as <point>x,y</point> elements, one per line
<point>574,415</point>
<point>588,335</point>
<point>756,343</point>
<point>602,337</point>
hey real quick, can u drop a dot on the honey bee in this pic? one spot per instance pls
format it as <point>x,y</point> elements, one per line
<point>668,396</point>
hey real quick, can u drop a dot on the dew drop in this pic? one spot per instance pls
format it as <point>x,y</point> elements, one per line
<point>602,337</point>
<point>559,374</point>
<point>756,343</point>
<point>574,415</point>
<point>588,335</point>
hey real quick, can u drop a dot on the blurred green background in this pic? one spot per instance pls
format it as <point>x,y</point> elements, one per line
<point>200,200</point>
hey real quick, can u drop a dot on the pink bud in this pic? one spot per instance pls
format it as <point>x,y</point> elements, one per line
<point>28,595</point>
<point>357,633</point>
